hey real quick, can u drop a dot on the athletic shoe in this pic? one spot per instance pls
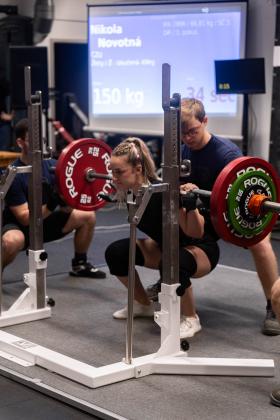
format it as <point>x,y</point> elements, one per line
<point>139,311</point>
<point>189,326</point>
<point>271,325</point>
<point>153,290</point>
<point>86,269</point>
<point>275,397</point>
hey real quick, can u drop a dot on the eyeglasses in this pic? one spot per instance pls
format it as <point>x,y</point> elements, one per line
<point>192,131</point>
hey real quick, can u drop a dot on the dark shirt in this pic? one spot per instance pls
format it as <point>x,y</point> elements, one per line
<point>18,191</point>
<point>207,163</point>
<point>4,92</point>
<point>151,223</point>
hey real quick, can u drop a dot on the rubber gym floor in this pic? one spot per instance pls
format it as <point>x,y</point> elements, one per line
<point>231,307</point>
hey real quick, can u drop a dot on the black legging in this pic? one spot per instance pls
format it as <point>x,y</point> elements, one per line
<point>117,258</point>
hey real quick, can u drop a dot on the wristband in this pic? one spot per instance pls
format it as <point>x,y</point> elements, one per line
<point>189,201</point>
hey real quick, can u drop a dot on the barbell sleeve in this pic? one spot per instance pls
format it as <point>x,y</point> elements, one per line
<point>263,202</point>
<point>91,175</point>
<point>270,206</point>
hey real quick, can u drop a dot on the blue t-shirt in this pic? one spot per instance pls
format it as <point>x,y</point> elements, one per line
<point>206,164</point>
<point>18,191</point>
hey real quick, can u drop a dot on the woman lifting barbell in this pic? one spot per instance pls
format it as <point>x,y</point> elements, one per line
<point>132,167</point>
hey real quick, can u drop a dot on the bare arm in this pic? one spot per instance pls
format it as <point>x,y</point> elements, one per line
<point>191,221</point>
<point>21,213</point>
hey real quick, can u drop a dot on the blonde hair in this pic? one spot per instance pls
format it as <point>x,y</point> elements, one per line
<point>137,152</point>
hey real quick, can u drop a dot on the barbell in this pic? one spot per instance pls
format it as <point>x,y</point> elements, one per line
<point>244,201</point>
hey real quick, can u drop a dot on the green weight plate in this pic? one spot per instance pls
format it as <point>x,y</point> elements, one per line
<point>247,184</point>
<point>219,203</point>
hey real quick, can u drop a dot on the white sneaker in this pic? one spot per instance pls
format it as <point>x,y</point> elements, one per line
<point>189,326</point>
<point>139,310</point>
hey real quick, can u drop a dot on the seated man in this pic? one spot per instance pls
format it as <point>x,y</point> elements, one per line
<point>58,218</point>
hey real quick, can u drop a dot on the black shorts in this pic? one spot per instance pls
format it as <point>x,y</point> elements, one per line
<point>52,227</point>
<point>211,249</point>
<point>117,254</point>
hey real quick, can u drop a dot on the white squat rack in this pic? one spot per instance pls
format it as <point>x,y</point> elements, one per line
<point>169,359</point>
<point>31,305</point>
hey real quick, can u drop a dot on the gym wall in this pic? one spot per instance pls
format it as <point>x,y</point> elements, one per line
<point>70,23</point>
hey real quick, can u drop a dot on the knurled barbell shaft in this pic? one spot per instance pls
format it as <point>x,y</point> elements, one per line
<point>203,193</point>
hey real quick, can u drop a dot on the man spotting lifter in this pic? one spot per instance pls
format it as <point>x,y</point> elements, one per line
<point>58,218</point>
<point>209,154</point>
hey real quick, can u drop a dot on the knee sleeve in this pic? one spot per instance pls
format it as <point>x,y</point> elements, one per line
<point>187,268</point>
<point>117,257</point>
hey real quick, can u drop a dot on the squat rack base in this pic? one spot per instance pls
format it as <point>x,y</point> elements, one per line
<point>19,317</point>
<point>93,377</point>
<point>169,359</point>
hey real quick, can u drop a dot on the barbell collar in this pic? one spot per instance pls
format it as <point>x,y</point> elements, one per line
<point>261,203</point>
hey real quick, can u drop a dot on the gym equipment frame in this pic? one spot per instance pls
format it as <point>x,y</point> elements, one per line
<point>169,359</point>
<point>31,305</point>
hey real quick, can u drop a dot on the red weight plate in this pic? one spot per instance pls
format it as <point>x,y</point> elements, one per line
<point>77,158</point>
<point>219,203</point>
